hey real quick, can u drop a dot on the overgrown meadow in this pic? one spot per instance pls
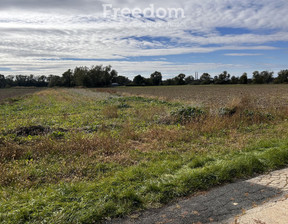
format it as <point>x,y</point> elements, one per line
<point>84,156</point>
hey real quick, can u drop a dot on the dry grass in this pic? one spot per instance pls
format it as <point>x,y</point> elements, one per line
<point>149,114</point>
<point>102,146</point>
<point>110,112</point>
<point>214,96</point>
<point>65,160</point>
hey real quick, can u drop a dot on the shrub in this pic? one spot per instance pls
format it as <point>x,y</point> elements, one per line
<point>186,114</point>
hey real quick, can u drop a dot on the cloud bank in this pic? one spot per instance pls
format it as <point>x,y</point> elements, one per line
<point>39,36</point>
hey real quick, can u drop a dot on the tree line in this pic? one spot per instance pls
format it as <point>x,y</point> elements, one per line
<point>105,76</point>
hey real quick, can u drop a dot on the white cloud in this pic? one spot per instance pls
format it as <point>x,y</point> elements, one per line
<point>242,54</point>
<point>127,68</point>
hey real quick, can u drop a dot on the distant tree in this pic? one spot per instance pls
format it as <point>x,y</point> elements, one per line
<point>121,80</point>
<point>139,80</point>
<point>205,79</point>
<point>169,82</point>
<point>99,76</point>
<point>234,80</point>
<point>148,82</point>
<point>223,78</point>
<point>263,77</point>
<point>67,78</point>
<point>181,79</point>
<point>80,73</point>
<point>31,80</point>
<point>114,75</point>
<point>257,78</point>
<point>243,78</point>
<point>178,80</point>
<point>41,81</point>
<point>94,77</point>
<point>282,77</point>
<point>267,76</point>
<point>189,80</point>
<point>10,80</point>
<point>156,78</point>
<point>2,81</point>
<point>54,80</point>
<point>107,75</point>
<point>21,80</point>
<point>216,79</point>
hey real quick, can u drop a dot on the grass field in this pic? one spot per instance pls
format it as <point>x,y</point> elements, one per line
<point>83,156</point>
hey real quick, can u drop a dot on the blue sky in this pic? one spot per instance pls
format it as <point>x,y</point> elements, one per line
<point>49,37</point>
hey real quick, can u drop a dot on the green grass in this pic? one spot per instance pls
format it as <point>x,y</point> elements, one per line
<point>108,156</point>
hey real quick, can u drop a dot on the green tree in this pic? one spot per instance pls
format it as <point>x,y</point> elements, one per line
<point>2,81</point>
<point>108,75</point>
<point>31,81</point>
<point>216,79</point>
<point>243,78</point>
<point>205,79</point>
<point>80,73</point>
<point>223,78</point>
<point>10,80</point>
<point>121,80</point>
<point>54,80</point>
<point>189,80</point>
<point>156,78</point>
<point>234,80</point>
<point>41,81</point>
<point>267,76</point>
<point>97,76</point>
<point>257,79</point>
<point>263,77</point>
<point>67,78</point>
<point>139,80</point>
<point>181,79</point>
<point>282,77</point>
<point>114,75</point>
<point>21,80</point>
<point>170,82</point>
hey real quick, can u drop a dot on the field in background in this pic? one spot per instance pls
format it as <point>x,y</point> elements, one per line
<point>84,156</point>
<point>16,92</point>
<point>215,95</point>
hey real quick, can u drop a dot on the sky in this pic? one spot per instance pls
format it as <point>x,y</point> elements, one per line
<point>44,37</point>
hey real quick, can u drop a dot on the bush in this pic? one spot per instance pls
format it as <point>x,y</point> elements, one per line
<point>186,114</point>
